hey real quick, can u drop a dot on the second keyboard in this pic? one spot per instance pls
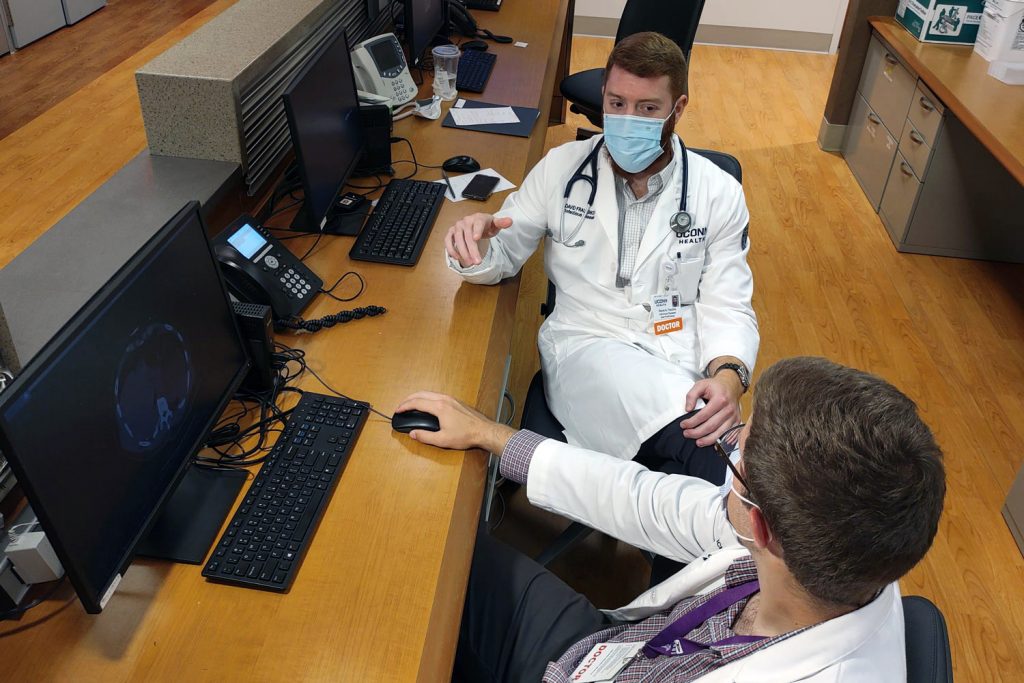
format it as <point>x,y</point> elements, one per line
<point>400,223</point>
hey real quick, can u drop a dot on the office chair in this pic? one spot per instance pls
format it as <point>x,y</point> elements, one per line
<point>537,416</point>
<point>677,20</point>
<point>928,655</point>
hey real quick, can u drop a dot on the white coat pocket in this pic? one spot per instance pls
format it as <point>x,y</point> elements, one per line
<point>688,279</point>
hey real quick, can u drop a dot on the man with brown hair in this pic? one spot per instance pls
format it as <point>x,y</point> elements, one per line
<point>792,567</point>
<point>646,246</point>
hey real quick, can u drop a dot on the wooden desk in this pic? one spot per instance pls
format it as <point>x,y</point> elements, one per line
<point>992,110</point>
<point>379,595</point>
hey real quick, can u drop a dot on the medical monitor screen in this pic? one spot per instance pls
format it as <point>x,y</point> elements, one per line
<point>424,19</point>
<point>323,117</point>
<point>102,423</point>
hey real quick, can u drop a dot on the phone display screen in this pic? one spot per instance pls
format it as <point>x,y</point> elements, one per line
<point>384,55</point>
<point>247,241</point>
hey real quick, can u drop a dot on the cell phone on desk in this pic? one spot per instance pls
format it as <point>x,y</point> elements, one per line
<point>480,187</point>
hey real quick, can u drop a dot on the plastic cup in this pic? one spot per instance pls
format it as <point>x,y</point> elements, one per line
<point>446,68</point>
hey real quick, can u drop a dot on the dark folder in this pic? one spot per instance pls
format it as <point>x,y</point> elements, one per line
<point>527,117</point>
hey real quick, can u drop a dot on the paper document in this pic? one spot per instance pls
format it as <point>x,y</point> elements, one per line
<point>483,116</point>
<point>459,183</point>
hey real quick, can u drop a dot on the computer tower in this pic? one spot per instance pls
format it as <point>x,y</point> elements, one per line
<point>256,324</point>
<point>376,122</point>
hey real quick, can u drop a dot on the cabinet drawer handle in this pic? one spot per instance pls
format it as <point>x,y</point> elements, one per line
<point>906,170</point>
<point>926,105</point>
<point>889,58</point>
<point>916,137</point>
<point>873,118</point>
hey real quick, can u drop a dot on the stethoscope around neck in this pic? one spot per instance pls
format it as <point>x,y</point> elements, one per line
<point>680,222</point>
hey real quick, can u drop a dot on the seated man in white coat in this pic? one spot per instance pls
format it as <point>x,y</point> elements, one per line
<point>792,568</point>
<point>646,246</point>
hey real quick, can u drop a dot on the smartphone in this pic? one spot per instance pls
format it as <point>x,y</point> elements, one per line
<point>480,187</point>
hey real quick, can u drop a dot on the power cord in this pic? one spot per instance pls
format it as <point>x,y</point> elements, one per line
<point>18,611</point>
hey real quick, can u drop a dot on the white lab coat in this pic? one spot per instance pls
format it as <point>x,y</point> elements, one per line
<point>683,518</point>
<point>610,381</point>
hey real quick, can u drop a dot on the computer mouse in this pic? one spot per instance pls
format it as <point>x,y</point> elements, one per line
<point>461,164</point>
<point>414,419</point>
<point>474,45</point>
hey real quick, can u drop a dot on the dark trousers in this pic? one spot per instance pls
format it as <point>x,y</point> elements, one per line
<point>518,616</point>
<point>670,451</point>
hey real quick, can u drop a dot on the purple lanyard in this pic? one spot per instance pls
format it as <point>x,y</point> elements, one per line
<point>671,641</point>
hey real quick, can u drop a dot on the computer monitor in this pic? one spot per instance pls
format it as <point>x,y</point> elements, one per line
<point>323,117</point>
<point>424,19</point>
<point>102,424</point>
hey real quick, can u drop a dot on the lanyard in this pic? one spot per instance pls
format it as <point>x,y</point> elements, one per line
<point>671,641</point>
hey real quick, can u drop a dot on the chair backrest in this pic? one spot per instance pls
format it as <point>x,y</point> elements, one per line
<point>677,19</point>
<point>928,656</point>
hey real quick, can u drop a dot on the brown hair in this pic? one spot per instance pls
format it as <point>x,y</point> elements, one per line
<point>649,55</point>
<point>849,479</point>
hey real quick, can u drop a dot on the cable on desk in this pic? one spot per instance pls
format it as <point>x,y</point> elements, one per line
<point>351,273</point>
<point>328,321</point>
<point>18,611</point>
<point>341,395</point>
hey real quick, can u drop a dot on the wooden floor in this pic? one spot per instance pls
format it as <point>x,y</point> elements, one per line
<point>948,332</point>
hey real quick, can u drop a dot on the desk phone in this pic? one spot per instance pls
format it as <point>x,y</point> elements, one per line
<point>380,68</point>
<point>259,269</point>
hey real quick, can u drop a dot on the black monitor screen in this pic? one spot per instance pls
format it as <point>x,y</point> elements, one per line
<point>424,19</point>
<point>323,116</point>
<point>102,422</point>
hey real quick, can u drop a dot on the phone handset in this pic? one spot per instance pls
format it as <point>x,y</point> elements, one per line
<point>259,269</point>
<point>380,69</point>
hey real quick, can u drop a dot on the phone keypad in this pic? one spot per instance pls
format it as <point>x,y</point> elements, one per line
<point>294,284</point>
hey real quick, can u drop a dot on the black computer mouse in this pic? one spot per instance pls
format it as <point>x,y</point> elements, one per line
<point>461,164</point>
<point>414,419</point>
<point>474,45</point>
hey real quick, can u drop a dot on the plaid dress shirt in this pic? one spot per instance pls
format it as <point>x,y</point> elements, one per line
<point>515,465</point>
<point>634,215</point>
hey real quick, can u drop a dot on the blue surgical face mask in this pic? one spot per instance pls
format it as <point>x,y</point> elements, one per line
<point>633,141</point>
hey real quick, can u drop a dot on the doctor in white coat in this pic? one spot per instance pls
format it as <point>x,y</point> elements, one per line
<point>646,246</point>
<point>792,565</point>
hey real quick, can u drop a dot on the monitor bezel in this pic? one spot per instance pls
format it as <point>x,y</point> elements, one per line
<point>319,223</point>
<point>416,57</point>
<point>93,599</point>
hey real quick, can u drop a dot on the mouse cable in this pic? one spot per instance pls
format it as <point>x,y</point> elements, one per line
<point>484,33</point>
<point>351,273</point>
<point>300,325</point>
<point>299,356</point>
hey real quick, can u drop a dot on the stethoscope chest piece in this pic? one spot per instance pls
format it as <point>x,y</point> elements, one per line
<point>680,222</point>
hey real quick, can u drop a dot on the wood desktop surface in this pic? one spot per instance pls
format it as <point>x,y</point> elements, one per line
<point>991,109</point>
<point>379,594</point>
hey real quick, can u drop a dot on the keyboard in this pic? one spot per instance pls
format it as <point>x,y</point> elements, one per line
<point>489,5</point>
<point>265,541</point>
<point>400,223</point>
<point>474,70</point>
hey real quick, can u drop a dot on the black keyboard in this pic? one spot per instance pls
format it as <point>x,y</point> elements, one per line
<point>489,5</point>
<point>272,528</point>
<point>400,223</point>
<point>474,70</point>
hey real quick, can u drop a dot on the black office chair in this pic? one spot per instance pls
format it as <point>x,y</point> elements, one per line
<point>928,655</point>
<point>678,20</point>
<point>537,416</point>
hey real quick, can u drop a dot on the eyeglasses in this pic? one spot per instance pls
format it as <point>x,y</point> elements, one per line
<point>727,444</point>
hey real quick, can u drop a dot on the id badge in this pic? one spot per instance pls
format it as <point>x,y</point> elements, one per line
<point>666,313</point>
<point>604,662</point>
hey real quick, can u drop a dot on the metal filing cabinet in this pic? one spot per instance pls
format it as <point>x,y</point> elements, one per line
<point>76,10</point>
<point>5,39</point>
<point>877,121</point>
<point>936,188</point>
<point>33,19</point>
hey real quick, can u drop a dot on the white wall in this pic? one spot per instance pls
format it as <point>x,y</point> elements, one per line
<point>810,16</point>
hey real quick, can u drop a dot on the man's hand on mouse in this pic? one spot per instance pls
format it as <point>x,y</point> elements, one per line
<point>467,241</point>
<point>461,426</point>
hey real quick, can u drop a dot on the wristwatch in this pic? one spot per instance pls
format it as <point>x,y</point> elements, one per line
<point>740,371</point>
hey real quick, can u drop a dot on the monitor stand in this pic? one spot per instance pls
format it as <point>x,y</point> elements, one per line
<point>338,223</point>
<point>188,524</point>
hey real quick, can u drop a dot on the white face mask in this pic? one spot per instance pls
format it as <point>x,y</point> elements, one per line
<point>725,505</point>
